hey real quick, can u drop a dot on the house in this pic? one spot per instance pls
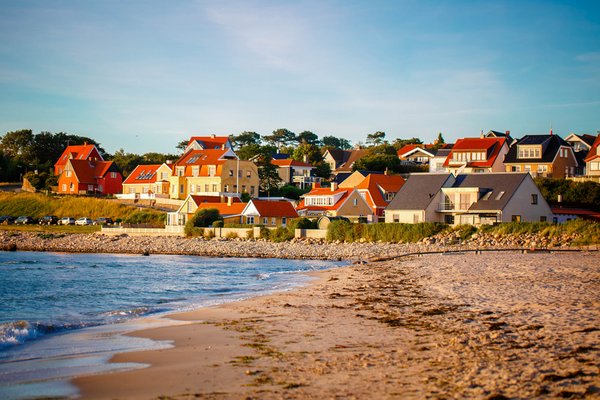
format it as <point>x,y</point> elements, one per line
<point>351,179</point>
<point>149,179</point>
<point>230,208</point>
<point>77,152</point>
<point>89,177</point>
<point>542,155</point>
<point>497,134</point>
<point>294,172</point>
<point>379,191</point>
<point>213,172</point>
<point>268,212</point>
<point>334,202</point>
<point>343,160</point>
<point>469,199</point>
<point>419,198</point>
<point>592,159</point>
<point>476,155</point>
<point>436,163</point>
<point>562,214</point>
<point>581,142</point>
<point>416,153</point>
<point>211,142</point>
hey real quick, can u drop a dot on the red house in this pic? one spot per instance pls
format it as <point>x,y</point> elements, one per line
<point>89,177</point>
<point>77,152</point>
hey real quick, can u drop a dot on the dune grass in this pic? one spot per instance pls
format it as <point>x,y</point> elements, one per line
<point>51,228</point>
<point>38,205</point>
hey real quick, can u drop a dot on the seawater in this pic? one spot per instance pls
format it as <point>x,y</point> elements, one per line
<point>64,315</point>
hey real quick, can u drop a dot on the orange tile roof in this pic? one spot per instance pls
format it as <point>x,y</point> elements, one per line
<point>225,209</point>
<point>78,152</point>
<point>210,142</point>
<point>88,171</point>
<point>280,208</point>
<point>375,183</point>
<point>142,174</point>
<point>198,199</point>
<point>324,192</point>
<point>406,148</point>
<point>201,158</point>
<point>491,146</point>
<point>290,162</point>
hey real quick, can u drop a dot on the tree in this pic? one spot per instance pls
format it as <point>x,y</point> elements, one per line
<point>307,137</point>
<point>399,143</point>
<point>247,152</point>
<point>126,162</point>
<point>267,172</point>
<point>18,145</point>
<point>281,137</point>
<point>336,143</point>
<point>246,139</point>
<point>311,151</point>
<point>323,170</point>
<point>376,138</point>
<point>182,145</point>
<point>205,217</point>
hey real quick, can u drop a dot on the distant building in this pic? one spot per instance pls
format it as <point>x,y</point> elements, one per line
<point>476,155</point>
<point>379,190</point>
<point>212,142</point>
<point>592,159</point>
<point>77,152</point>
<point>342,161</point>
<point>294,172</point>
<point>89,177</point>
<point>149,179</point>
<point>417,154</point>
<point>268,212</point>
<point>542,155</point>
<point>335,202</point>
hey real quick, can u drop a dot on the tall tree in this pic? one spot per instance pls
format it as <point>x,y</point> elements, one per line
<point>307,137</point>
<point>311,151</point>
<point>336,143</point>
<point>267,172</point>
<point>399,143</point>
<point>245,138</point>
<point>281,137</point>
<point>376,138</point>
<point>18,145</point>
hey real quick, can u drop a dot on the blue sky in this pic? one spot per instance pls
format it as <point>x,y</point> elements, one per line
<point>143,75</point>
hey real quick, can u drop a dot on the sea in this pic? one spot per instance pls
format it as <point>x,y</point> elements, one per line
<point>64,315</point>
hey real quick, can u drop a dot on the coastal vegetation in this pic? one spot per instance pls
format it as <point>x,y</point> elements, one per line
<point>574,194</point>
<point>38,205</point>
<point>202,218</point>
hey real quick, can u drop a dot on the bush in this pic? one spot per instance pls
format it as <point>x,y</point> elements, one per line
<point>201,219</point>
<point>217,224</point>
<point>265,233</point>
<point>232,235</point>
<point>250,234</point>
<point>280,234</point>
<point>302,223</point>
<point>209,234</point>
<point>144,217</point>
<point>386,232</point>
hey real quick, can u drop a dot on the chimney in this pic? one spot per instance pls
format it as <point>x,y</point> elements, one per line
<point>229,201</point>
<point>222,198</point>
<point>559,198</point>
<point>333,186</point>
<point>387,171</point>
<point>85,143</point>
<point>169,162</point>
<point>213,136</point>
<point>481,134</point>
<point>507,133</point>
<point>316,185</point>
<point>305,158</point>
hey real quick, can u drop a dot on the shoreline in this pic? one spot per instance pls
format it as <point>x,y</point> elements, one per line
<point>388,329</point>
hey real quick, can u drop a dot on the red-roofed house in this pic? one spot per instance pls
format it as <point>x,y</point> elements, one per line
<point>269,212</point>
<point>230,208</point>
<point>149,179</point>
<point>77,152</point>
<point>379,190</point>
<point>211,142</point>
<point>294,172</point>
<point>476,155</point>
<point>416,153</point>
<point>89,177</point>
<point>334,202</point>
<point>592,160</point>
<point>213,172</point>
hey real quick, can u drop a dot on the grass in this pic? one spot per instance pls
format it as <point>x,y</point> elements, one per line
<point>38,205</point>
<point>51,229</point>
<point>386,232</point>
<point>588,231</point>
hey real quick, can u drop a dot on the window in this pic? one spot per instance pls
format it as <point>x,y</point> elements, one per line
<point>543,218</point>
<point>515,168</point>
<point>239,173</point>
<point>250,220</point>
<point>68,173</point>
<point>283,221</point>
<point>113,175</point>
<point>191,188</point>
<point>355,202</point>
<point>215,187</point>
<point>516,218</point>
<point>181,190</point>
<point>251,190</point>
<point>198,188</point>
<point>100,188</point>
<point>180,171</point>
<point>226,188</point>
<point>206,187</point>
<point>396,218</point>
<point>195,170</point>
<point>164,176</point>
<point>534,199</point>
<point>144,189</point>
<point>71,187</point>
<point>273,221</point>
<point>595,166</point>
<point>230,172</point>
<point>248,174</point>
<point>212,170</point>
<point>389,196</point>
<point>265,221</point>
<point>131,190</point>
<point>499,195</point>
<point>243,188</point>
<point>158,189</point>
<point>90,188</point>
<point>64,187</point>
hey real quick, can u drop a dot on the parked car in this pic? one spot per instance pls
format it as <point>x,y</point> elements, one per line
<point>84,221</point>
<point>49,220</point>
<point>7,220</point>
<point>66,221</point>
<point>103,221</point>
<point>24,220</point>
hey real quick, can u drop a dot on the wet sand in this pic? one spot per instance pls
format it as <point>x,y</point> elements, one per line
<point>492,326</point>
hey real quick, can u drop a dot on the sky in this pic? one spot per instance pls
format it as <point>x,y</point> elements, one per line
<point>144,75</point>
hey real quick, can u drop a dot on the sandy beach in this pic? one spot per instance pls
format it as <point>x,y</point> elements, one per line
<point>493,326</point>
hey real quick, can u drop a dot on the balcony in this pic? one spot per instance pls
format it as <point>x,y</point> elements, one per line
<point>305,179</point>
<point>454,206</point>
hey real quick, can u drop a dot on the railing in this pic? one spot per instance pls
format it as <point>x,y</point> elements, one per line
<point>454,206</point>
<point>305,179</point>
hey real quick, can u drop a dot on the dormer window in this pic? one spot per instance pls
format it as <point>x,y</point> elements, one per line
<point>212,170</point>
<point>180,171</point>
<point>530,151</point>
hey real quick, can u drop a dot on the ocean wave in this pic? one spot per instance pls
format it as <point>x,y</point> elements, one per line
<point>128,313</point>
<point>17,332</point>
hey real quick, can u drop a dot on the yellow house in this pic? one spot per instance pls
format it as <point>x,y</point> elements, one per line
<point>149,179</point>
<point>213,172</point>
<point>335,202</point>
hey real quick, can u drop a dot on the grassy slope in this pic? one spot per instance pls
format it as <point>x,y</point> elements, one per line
<point>37,205</point>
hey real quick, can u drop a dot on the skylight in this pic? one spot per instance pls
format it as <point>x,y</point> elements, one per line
<point>193,159</point>
<point>487,195</point>
<point>499,195</point>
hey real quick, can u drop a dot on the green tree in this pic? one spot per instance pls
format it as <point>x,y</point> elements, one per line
<point>307,137</point>
<point>205,217</point>
<point>336,143</point>
<point>181,145</point>
<point>323,170</point>
<point>17,145</point>
<point>399,143</point>
<point>311,151</point>
<point>246,139</point>
<point>267,172</point>
<point>126,162</point>
<point>281,137</point>
<point>375,139</point>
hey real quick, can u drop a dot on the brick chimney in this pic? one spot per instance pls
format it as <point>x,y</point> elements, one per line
<point>229,201</point>
<point>334,186</point>
<point>316,185</point>
<point>507,133</point>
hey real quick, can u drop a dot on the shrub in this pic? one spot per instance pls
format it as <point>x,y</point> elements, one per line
<point>265,233</point>
<point>280,234</point>
<point>302,223</point>
<point>232,235</point>
<point>209,234</point>
<point>250,234</point>
<point>201,219</point>
<point>386,232</point>
<point>193,231</point>
<point>218,224</point>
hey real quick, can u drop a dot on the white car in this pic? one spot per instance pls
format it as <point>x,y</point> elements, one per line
<point>84,221</point>
<point>66,221</point>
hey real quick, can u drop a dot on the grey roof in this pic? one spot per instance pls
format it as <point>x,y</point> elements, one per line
<point>418,191</point>
<point>443,152</point>
<point>550,146</point>
<point>494,183</point>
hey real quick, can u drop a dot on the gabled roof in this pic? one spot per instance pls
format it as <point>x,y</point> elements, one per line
<point>325,192</point>
<point>142,174</point>
<point>496,189</point>
<point>288,162</point>
<point>202,159</point>
<point>584,214</point>
<point>345,159</point>
<point>585,138</point>
<point>76,152</point>
<point>491,146</point>
<point>197,199</point>
<point>89,171</point>
<point>277,209</point>
<point>550,147</point>
<point>419,190</point>
<point>594,150</point>
<point>225,210</point>
<point>409,149</point>
<point>210,142</point>
<point>376,185</point>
